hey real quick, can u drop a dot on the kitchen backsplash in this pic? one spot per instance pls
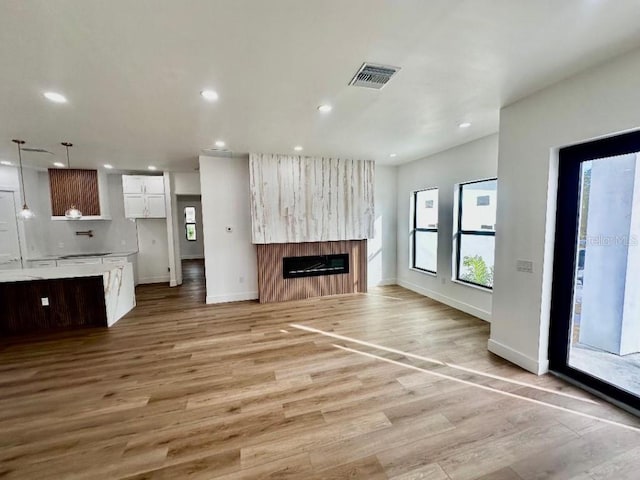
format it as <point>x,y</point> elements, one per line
<point>58,237</point>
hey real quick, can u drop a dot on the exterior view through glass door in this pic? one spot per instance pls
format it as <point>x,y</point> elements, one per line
<point>595,326</point>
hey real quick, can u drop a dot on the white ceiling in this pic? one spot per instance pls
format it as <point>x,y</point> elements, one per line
<point>133,70</point>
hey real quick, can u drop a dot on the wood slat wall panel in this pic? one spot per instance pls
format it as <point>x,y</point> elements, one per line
<point>74,186</point>
<point>272,287</point>
<point>73,303</point>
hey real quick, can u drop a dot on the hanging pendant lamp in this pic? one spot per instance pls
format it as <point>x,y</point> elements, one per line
<point>26,213</point>
<point>72,213</point>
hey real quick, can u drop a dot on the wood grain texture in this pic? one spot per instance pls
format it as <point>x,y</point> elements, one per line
<point>73,303</point>
<point>272,287</point>
<point>74,186</point>
<point>183,390</point>
<point>309,199</point>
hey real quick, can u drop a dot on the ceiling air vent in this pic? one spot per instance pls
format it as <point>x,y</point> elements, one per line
<point>36,150</point>
<point>371,75</point>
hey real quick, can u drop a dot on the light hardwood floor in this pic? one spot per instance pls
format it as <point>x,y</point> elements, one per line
<point>181,390</point>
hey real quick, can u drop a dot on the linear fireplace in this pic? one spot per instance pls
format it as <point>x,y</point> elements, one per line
<point>315,265</point>
<point>293,271</point>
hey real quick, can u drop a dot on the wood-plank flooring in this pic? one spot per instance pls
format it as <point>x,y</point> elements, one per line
<point>182,390</point>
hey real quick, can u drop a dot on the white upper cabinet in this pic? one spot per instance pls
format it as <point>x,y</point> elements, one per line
<point>156,207</point>
<point>133,184</point>
<point>154,185</point>
<point>134,205</point>
<point>144,196</point>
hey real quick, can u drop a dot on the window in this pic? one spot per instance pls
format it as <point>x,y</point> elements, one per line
<point>424,245</point>
<point>190,223</point>
<point>476,231</point>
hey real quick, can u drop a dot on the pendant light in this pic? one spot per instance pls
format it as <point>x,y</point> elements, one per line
<point>25,213</point>
<point>72,213</point>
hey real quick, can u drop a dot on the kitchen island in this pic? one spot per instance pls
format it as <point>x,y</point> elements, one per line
<point>74,296</point>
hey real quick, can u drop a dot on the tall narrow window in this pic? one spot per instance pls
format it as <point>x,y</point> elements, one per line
<point>190,223</point>
<point>476,232</point>
<point>425,230</point>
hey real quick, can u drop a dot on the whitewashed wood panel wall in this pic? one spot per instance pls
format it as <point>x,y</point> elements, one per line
<point>308,199</point>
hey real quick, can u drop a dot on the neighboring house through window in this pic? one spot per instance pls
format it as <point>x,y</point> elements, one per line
<point>424,238</point>
<point>476,231</point>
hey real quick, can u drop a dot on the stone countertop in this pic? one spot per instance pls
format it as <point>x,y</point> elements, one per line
<point>88,255</point>
<point>71,271</point>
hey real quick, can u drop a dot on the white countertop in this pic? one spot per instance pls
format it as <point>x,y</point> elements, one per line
<point>71,271</point>
<point>87,255</point>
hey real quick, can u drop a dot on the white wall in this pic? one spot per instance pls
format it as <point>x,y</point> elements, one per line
<point>381,249</point>
<point>190,249</point>
<point>186,183</point>
<point>595,103</point>
<point>230,257</point>
<point>48,237</point>
<point>472,161</point>
<point>153,253</point>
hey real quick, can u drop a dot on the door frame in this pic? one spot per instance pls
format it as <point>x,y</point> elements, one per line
<point>565,255</point>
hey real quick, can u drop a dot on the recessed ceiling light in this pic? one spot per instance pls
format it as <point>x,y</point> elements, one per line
<point>55,97</point>
<point>220,143</point>
<point>393,155</point>
<point>297,148</point>
<point>4,162</point>
<point>465,125</point>
<point>209,95</point>
<point>151,167</point>
<point>107,166</point>
<point>325,108</point>
<point>58,164</point>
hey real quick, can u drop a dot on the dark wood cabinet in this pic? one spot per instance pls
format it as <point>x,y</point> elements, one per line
<point>73,303</point>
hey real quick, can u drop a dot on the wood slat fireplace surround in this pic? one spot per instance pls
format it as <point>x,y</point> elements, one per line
<point>273,287</point>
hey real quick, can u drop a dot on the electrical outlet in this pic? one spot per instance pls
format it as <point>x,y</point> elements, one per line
<point>443,281</point>
<point>45,301</point>
<point>241,279</point>
<point>60,244</point>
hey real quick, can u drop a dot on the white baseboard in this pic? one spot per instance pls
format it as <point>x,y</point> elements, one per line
<point>232,297</point>
<point>156,279</point>
<point>452,302</point>
<point>192,257</point>
<point>519,358</point>
<point>384,282</point>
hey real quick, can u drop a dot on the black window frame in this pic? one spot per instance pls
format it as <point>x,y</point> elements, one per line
<point>460,232</point>
<point>187,224</point>
<point>415,229</point>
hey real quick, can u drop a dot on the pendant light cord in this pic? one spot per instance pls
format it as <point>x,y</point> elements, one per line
<point>67,145</point>
<point>24,192</point>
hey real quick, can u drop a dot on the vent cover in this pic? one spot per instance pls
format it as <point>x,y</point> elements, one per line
<point>36,150</point>
<point>371,75</point>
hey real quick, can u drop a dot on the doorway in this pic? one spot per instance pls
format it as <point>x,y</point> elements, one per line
<point>191,237</point>
<point>9,240</point>
<point>595,315</point>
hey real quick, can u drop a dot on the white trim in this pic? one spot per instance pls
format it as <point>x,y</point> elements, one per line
<point>423,272</point>
<point>157,279</point>
<point>384,282</point>
<point>519,358</point>
<point>452,302</point>
<point>472,285</point>
<point>232,297</point>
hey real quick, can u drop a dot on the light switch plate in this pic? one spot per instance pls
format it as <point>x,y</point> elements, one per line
<point>45,301</point>
<point>524,266</point>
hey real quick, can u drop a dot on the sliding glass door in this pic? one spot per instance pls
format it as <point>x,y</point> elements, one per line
<point>595,324</point>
